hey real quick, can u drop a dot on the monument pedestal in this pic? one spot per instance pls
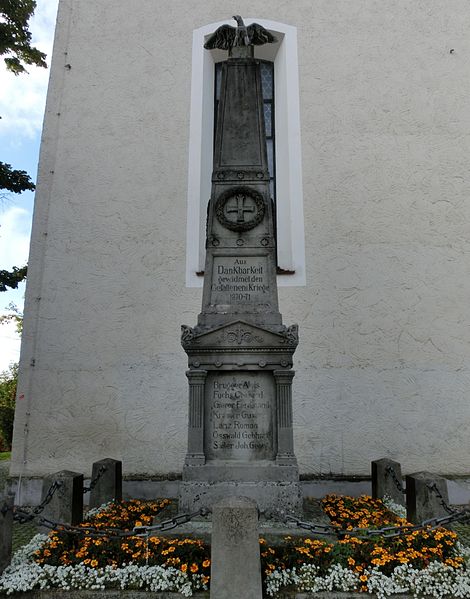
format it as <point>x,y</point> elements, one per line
<point>240,438</point>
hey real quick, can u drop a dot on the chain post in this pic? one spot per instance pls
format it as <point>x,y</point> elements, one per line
<point>435,489</point>
<point>391,472</point>
<point>95,480</point>
<point>6,531</point>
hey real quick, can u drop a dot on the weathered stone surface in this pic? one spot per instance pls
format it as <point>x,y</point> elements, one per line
<point>422,496</point>
<point>239,416</point>
<point>386,479</point>
<point>66,504</point>
<point>269,495</point>
<point>6,530</point>
<point>235,553</point>
<point>240,437</point>
<point>108,476</point>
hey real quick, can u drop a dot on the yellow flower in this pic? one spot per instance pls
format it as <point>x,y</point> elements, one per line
<point>206,563</point>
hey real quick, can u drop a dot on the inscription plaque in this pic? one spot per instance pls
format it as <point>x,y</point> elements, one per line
<point>239,416</point>
<point>237,280</point>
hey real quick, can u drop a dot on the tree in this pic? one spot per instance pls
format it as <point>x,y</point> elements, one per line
<point>16,48</point>
<point>13,180</point>
<point>15,316</point>
<point>12,278</point>
<point>8,384</point>
<point>15,38</point>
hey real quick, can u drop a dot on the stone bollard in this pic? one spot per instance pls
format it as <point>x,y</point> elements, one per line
<point>235,553</point>
<point>66,500</point>
<point>387,480</point>
<point>6,530</point>
<point>426,495</point>
<point>106,482</point>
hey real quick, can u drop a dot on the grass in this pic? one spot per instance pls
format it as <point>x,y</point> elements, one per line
<point>5,455</point>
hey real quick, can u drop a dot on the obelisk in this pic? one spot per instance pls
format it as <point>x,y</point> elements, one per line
<point>240,439</point>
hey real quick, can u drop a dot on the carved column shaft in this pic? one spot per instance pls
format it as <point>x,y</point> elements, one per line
<point>197,381</point>
<point>285,438</point>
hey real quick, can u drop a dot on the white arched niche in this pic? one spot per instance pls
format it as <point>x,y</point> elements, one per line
<point>289,199</point>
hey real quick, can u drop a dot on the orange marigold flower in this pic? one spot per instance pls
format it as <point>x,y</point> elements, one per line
<point>184,567</point>
<point>206,563</point>
<point>194,568</point>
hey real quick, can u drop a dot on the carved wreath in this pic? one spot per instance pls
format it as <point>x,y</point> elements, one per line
<point>233,201</point>
<point>240,336</point>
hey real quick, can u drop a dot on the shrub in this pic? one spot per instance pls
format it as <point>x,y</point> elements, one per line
<point>8,384</point>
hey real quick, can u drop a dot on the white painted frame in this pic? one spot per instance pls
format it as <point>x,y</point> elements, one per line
<point>289,196</point>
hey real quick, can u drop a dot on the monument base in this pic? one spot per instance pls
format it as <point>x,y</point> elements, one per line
<point>269,495</point>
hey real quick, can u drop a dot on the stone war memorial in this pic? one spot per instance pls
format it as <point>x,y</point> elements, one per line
<point>320,174</point>
<point>240,354</point>
<point>198,175</point>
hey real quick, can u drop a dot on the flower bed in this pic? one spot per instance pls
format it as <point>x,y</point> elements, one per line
<point>425,562</point>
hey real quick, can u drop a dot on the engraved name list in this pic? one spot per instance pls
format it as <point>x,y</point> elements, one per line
<point>239,414</point>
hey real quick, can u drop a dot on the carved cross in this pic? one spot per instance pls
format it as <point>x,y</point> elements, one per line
<point>240,208</point>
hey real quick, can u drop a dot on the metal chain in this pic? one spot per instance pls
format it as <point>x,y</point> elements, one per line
<point>22,516</point>
<point>172,523</point>
<point>391,471</point>
<point>95,480</point>
<point>435,489</point>
<point>385,532</point>
<point>111,533</point>
<point>315,527</point>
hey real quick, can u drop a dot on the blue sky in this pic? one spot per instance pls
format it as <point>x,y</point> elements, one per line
<point>22,101</point>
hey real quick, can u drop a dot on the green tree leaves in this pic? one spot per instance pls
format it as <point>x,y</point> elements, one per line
<point>15,38</point>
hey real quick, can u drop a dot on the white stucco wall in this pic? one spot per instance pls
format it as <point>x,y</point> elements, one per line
<point>383,362</point>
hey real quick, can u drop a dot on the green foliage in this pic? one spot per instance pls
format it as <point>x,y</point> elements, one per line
<point>5,456</point>
<point>8,385</point>
<point>14,180</point>
<point>12,278</point>
<point>15,38</point>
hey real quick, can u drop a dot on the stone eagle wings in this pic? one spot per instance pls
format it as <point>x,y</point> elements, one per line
<point>226,36</point>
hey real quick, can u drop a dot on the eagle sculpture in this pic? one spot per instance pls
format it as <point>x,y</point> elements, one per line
<point>226,36</point>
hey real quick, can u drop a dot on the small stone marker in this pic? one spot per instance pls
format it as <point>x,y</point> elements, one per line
<point>387,480</point>
<point>106,482</point>
<point>235,553</point>
<point>6,530</point>
<point>426,494</point>
<point>66,504</point>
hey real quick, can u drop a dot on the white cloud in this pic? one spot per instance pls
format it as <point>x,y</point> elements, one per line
<point>9,345</point>
<point>22,97</point>
<point>15,226</point>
